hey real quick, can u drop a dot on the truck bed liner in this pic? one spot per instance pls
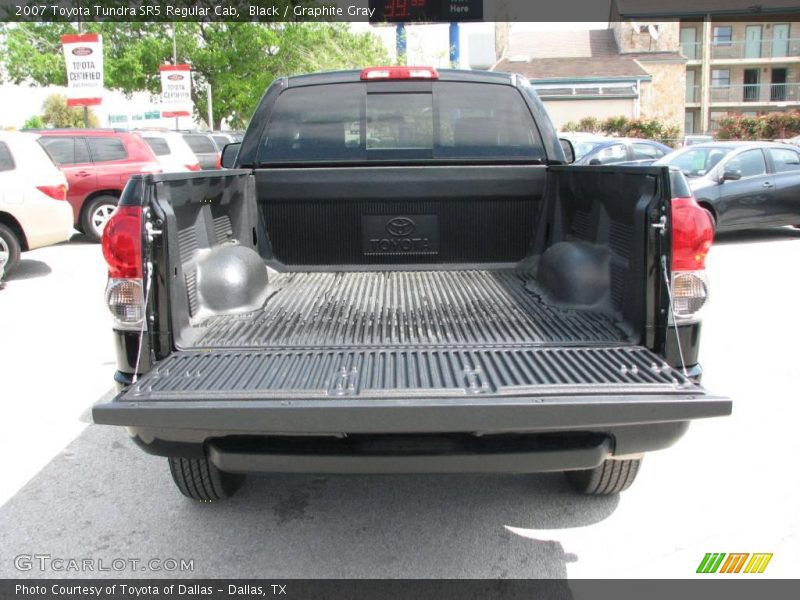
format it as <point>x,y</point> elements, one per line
<point>407,308</point>
<point>407,373</point>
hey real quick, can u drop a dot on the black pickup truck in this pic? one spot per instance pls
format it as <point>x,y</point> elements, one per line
<point>402,273</point>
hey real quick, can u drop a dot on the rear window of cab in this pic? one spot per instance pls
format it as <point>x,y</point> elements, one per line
<point>351,122</point>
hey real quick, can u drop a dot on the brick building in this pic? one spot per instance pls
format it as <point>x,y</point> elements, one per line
<point>678,62</point>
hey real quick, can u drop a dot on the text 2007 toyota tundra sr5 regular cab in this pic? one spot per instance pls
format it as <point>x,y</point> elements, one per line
<point>402,275</point>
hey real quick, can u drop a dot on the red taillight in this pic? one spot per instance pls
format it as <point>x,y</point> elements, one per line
<point>122,243</point>
<point>194,167</point>
<point>371,73</point>
<point>692,235</point>
<point>218,164</point>
<point>56,192</point>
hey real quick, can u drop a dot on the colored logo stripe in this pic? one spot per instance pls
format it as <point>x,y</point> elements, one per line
<point>758,563</point>
<point>733,564</point>
<point>710,562</point>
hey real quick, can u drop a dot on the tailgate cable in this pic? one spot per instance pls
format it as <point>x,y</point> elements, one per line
<point>671,314</point>
<point>148,284</point>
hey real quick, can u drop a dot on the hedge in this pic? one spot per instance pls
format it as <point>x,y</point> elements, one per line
<point>764,127</point>
<point>651,129</point>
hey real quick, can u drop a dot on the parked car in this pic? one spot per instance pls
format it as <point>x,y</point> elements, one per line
<point>205,149</point>
<point>440,297</point>
<point>694,139</point>
<point>98,164</point>
<point>171,150</point>
<point>34,211</point>
<point>743,184</point>
<point>617,151</point>
<point>223,138</point>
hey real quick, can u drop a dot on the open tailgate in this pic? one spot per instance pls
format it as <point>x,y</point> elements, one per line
<point>405,390</point>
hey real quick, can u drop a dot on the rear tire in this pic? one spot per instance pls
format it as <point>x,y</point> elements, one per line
<point>95,215</point>
<point>10,248</point>
<point>610,477</point>
<point>200,480</point>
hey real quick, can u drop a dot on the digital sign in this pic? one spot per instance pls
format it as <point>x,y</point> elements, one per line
<point>416,11</point>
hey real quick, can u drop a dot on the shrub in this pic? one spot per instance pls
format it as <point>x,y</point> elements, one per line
<point>615,126</point>
<point>590,124</point>
<point>764,127</point>
<point>621,126</point>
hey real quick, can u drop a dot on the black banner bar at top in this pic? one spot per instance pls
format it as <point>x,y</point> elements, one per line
<point>391,11</point>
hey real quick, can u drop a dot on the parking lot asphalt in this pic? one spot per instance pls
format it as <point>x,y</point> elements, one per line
<point>730,485</point>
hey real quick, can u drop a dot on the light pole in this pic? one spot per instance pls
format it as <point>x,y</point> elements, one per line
<point>210,107</point>
<point>85,107</point>
<point>175,55</point>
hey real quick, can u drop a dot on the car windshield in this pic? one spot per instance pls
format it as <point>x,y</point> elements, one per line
<point>583,148</point>
<point>697,160</point>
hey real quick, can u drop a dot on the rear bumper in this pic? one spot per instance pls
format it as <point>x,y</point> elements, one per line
<point>411,454</point>
<point>508,435</point>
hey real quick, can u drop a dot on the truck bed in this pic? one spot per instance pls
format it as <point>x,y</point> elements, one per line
<point>465,309</point>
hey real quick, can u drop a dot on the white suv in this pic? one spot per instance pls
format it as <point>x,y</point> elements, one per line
<point>171,150</point>
<point>34,211</point>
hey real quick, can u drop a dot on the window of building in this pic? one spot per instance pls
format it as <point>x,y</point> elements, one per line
<point>6,160</point>
<point>689,46</point>
<point>723,35</point>
<point>720,78</point>
<point>651,28</point>
<point>688,123</point>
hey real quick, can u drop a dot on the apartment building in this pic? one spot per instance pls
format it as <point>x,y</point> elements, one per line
<point>742,57</point>
<point>739,67</point>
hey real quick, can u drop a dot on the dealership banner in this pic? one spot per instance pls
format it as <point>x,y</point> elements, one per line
<point>176,91</point>
<point>83,53</point>
<point>389,11</point>
<point>111,588</point>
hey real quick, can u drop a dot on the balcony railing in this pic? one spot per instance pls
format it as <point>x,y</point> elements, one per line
<point>692,50</point>
<point>692,93</point>
<point>760,93</point>
<point>742,49</point>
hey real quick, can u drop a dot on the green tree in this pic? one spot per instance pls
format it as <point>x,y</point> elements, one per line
<point>34,122</point>
<point>238,60</point>
<point>56,113</point>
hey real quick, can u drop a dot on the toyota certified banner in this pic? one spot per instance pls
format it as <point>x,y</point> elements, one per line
<point>176,91</point>
<point>84,55</point>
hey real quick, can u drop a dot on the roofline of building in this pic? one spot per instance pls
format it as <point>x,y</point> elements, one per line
<point>700,13</point>
<point>548,98</point>
<point>592,79</point>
